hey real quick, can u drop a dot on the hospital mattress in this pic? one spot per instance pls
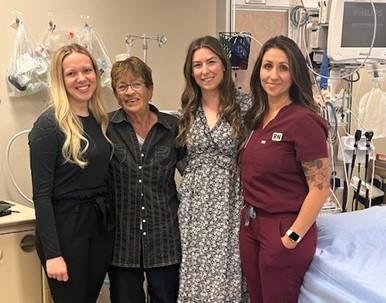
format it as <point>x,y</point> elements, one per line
<point>349,265</point>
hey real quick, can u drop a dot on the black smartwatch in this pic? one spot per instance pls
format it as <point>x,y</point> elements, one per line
<point>293,236</point>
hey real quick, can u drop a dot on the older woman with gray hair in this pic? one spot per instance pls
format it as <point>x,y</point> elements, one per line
<point>147,237</point>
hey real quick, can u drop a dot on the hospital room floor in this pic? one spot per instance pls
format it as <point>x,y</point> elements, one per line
<point>104,296</point>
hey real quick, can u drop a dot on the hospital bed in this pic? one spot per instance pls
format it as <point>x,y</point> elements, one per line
<point>349,265</point>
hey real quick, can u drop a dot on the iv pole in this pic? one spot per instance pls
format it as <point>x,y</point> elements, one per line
<point>129,41</point>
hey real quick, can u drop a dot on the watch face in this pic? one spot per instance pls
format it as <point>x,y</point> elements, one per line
<point>294,236</point>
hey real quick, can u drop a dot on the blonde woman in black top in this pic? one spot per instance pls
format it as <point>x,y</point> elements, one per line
<point>69,154</point>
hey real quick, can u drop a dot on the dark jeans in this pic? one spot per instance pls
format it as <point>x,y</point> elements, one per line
<point>126,284</point>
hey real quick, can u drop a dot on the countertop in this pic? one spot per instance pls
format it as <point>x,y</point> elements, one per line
<point>20,215</point>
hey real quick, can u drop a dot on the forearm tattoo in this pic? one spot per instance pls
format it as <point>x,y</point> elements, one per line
<point>316,172</point>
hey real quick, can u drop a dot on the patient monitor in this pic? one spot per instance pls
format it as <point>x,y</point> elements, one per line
<point>351,29</point>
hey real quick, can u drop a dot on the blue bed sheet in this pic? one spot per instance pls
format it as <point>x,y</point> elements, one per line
<point>349,265</point>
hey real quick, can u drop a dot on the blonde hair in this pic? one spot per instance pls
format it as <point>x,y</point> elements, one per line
<point>68,122</point>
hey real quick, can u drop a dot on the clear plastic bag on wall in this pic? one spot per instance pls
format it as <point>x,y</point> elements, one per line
<point>28,68</point>
<point>91,40</point>
<point>54,39</point>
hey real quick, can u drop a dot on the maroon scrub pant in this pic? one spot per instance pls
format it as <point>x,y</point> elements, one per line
<point>274,273</point>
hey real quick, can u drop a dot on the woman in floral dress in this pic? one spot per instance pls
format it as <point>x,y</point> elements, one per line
<point>210,127</point>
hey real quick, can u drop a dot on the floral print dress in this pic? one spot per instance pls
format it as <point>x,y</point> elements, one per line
<point>209,215</point>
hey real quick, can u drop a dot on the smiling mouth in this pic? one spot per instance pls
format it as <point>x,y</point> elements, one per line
<point>207,79</point>
<point>83,88</point>
<point>132,100</point>
<point>273,85</point>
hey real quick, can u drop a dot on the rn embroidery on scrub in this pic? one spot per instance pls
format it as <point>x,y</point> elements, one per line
<point>277,136</point>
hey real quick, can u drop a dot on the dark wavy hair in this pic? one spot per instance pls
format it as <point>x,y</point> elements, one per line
<point>300,91</point>
<point>191,96</point>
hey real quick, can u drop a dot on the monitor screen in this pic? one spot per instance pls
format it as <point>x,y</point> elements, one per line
<point>358,25</point>
<point>351,28</point>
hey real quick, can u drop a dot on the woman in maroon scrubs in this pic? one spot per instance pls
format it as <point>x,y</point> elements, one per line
<point>284,168</point>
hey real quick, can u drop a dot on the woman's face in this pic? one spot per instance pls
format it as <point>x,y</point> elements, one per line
<point>132,94</point>
<point>79,78</point>
<point>275,76</point>
<point>207,69</point>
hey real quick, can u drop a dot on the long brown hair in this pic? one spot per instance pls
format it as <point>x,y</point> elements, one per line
<point>300,91</point>
<point>191,96</point>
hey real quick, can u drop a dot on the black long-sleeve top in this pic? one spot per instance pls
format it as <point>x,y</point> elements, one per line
<point>53,179</point>
<point>144,192</point>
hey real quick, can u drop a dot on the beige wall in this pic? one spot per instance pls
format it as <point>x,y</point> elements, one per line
<point>179,20</point>
<point>262,24</point>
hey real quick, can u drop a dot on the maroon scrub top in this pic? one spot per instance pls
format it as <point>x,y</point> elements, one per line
<point>271,171</point>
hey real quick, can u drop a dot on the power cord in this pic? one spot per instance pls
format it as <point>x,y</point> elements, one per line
<point>7,157</point>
